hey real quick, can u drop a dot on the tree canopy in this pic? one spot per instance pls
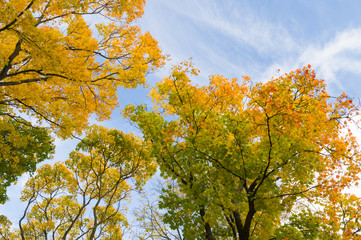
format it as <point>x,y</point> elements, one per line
<point>245,155</point>
<point>84,198</point>
<point>60,62</point>
<point>22,147</point>
<point>58,65</point>
<point>244,160</point>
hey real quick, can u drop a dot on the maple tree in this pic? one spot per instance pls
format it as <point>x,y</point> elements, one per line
<point>84,197</point>
<point>246,155</point>
<point>62,61</point>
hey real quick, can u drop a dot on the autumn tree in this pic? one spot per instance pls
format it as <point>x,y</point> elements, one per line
<point>84,198</point>
<point>22,147</point>
<point>57,65</point>
<point>62,61</point>
<point>245,155</point>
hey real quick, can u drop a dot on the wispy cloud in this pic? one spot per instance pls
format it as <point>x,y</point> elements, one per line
<point>342,53</point>
<point>239,22</point>
<point>222,37</point>
<point>230,37</point>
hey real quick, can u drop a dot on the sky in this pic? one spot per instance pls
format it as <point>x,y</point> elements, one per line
<point>257,38</point>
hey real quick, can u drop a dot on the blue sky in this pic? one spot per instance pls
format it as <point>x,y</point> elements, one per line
<point>255,38</point>
<point>235,38</point>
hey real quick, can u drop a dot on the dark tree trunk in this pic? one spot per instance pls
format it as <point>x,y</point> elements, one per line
<point>244,233</point>
<point>209,234</point>
<point>238,222</point>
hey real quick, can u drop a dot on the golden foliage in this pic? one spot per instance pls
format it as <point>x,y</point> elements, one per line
<point>57,66</point>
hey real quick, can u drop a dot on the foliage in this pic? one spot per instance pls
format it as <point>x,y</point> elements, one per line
<point>83,198</point>
<point>5,225</point>
<point>337,217</point>
<point>57,66</point>
<point>245,154</point>
<point>22,147</point>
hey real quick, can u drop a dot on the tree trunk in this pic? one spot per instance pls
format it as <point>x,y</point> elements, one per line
<point>238,222</point>
<point>209,234</point>
<point>245,231</point>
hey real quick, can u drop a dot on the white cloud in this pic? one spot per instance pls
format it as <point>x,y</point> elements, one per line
<point>245,27</point>
<point>222,37</point>
<point>239,22</point>
<point>342,53</point>
<point>338,54</point>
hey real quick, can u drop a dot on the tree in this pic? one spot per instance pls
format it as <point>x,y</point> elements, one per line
<point>84,197</point>
<point>58,68</point>
<point>22,147</point>
<point>245,155</point>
